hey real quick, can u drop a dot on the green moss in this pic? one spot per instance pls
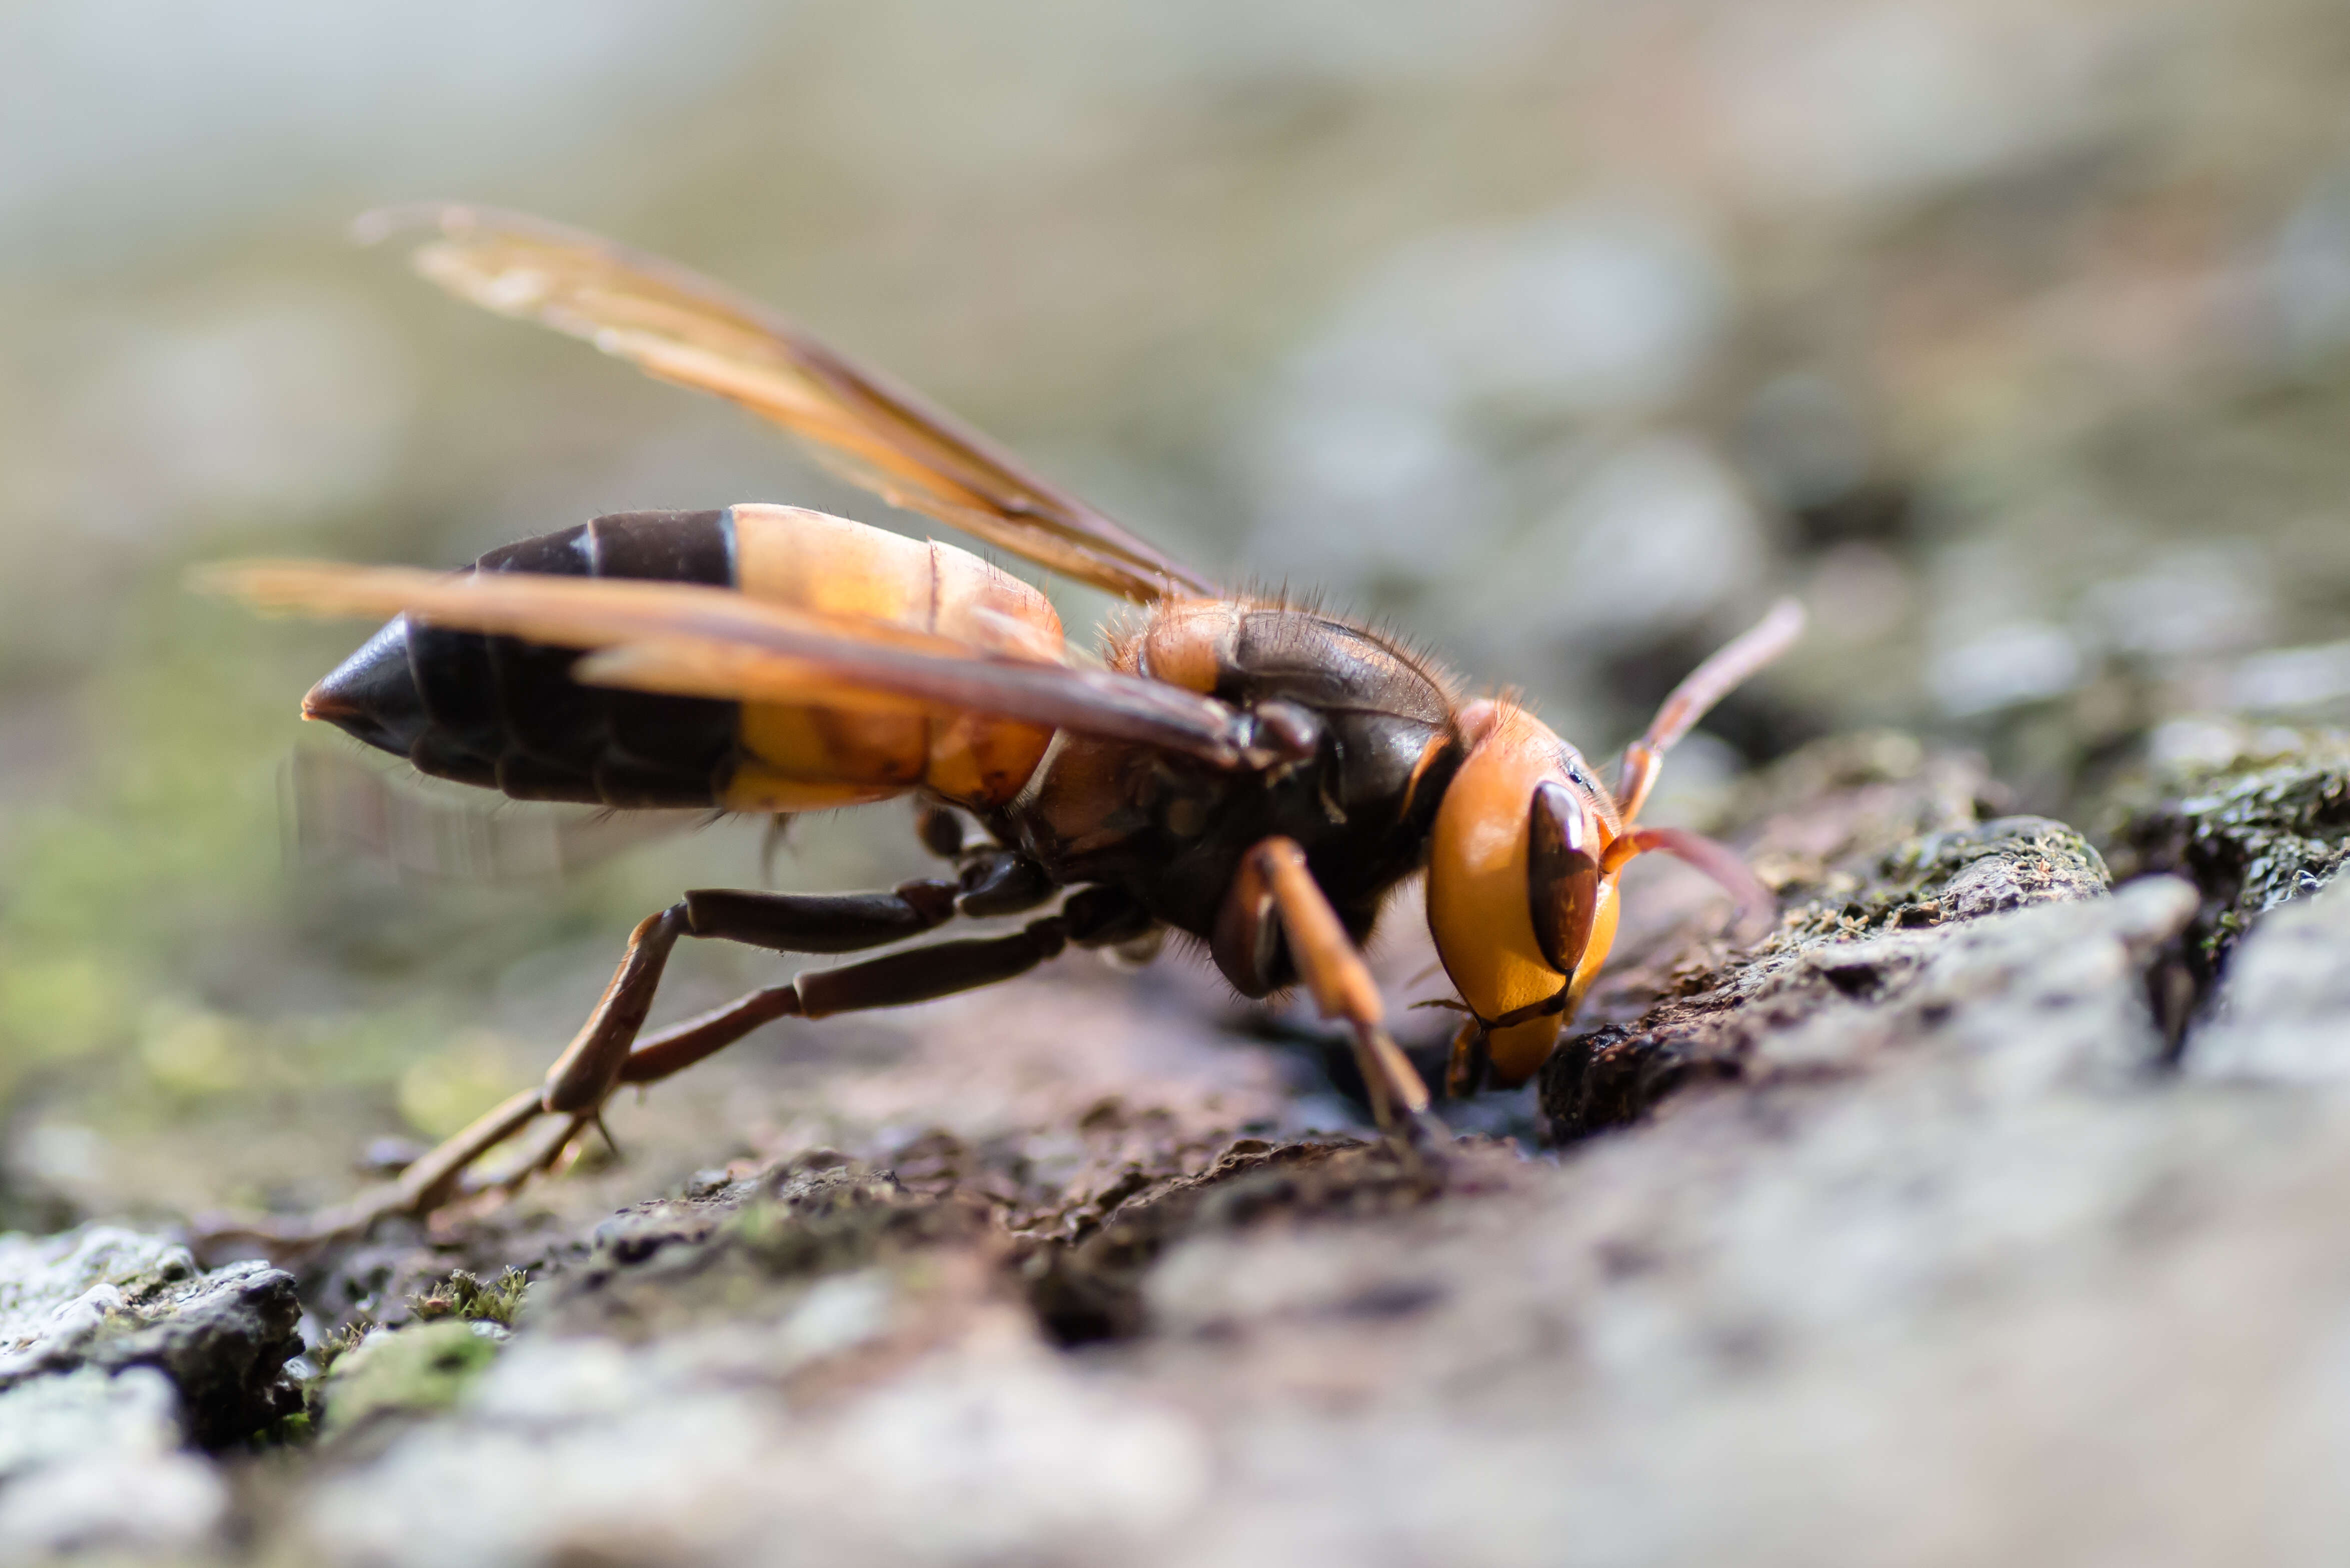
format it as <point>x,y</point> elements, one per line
<point>409,1371</point>
<point>1924,868</point>
<point>468,1300</point>
<point>339,1343</point>
<point>2254,833</point>
<point>294,1431</point>
<point>1913,883</point>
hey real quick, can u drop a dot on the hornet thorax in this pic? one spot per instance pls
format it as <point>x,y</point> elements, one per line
<point>1172,831</point>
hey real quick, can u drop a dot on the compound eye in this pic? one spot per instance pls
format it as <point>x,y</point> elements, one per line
<point>1562,875</point>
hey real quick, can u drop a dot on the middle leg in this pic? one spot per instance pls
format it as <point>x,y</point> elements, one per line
<point>589,1068</point>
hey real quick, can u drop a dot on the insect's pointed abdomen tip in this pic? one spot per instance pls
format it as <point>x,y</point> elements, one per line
<point>372,696</point>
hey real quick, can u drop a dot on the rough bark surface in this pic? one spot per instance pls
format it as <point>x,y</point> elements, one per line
<point>1938,1226</point>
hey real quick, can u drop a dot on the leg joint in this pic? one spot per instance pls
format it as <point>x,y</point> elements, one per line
<point>1103,916</point>
<point>1002,882</point>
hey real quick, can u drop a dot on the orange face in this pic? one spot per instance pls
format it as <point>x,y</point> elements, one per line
<point>1480,903</point>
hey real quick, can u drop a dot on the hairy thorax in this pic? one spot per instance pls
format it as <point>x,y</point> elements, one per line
<point>1384,743</point>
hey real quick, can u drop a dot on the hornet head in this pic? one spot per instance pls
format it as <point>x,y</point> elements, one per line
<point>1521,914</point>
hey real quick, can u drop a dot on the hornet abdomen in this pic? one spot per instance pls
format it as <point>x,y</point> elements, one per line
<point>808,758</point>
<point>505,713</point>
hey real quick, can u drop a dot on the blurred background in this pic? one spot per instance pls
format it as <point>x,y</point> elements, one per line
<point>2013,337</point>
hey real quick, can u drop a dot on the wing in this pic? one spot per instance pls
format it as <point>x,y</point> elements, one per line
<point>688,640</point>
<point>682,328</point>
<point>336,807</point>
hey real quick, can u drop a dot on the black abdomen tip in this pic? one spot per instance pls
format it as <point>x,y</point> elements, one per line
<point>505,713</point>
<point>372,695</point>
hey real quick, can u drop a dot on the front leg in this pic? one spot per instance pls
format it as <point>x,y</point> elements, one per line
<point>1275,895</point>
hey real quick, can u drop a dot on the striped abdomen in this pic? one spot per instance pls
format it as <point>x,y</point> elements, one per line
<point>503,713</point>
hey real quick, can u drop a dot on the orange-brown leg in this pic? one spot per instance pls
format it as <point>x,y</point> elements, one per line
<point>1703,687</point>
<point>1274,882</point>
<point>583,1076</point>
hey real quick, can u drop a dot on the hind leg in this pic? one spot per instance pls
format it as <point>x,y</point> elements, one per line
<point>599,1058</point>
<point>607,1053</point>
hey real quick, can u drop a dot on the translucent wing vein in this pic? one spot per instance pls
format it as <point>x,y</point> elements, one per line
<point>683,329</point>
